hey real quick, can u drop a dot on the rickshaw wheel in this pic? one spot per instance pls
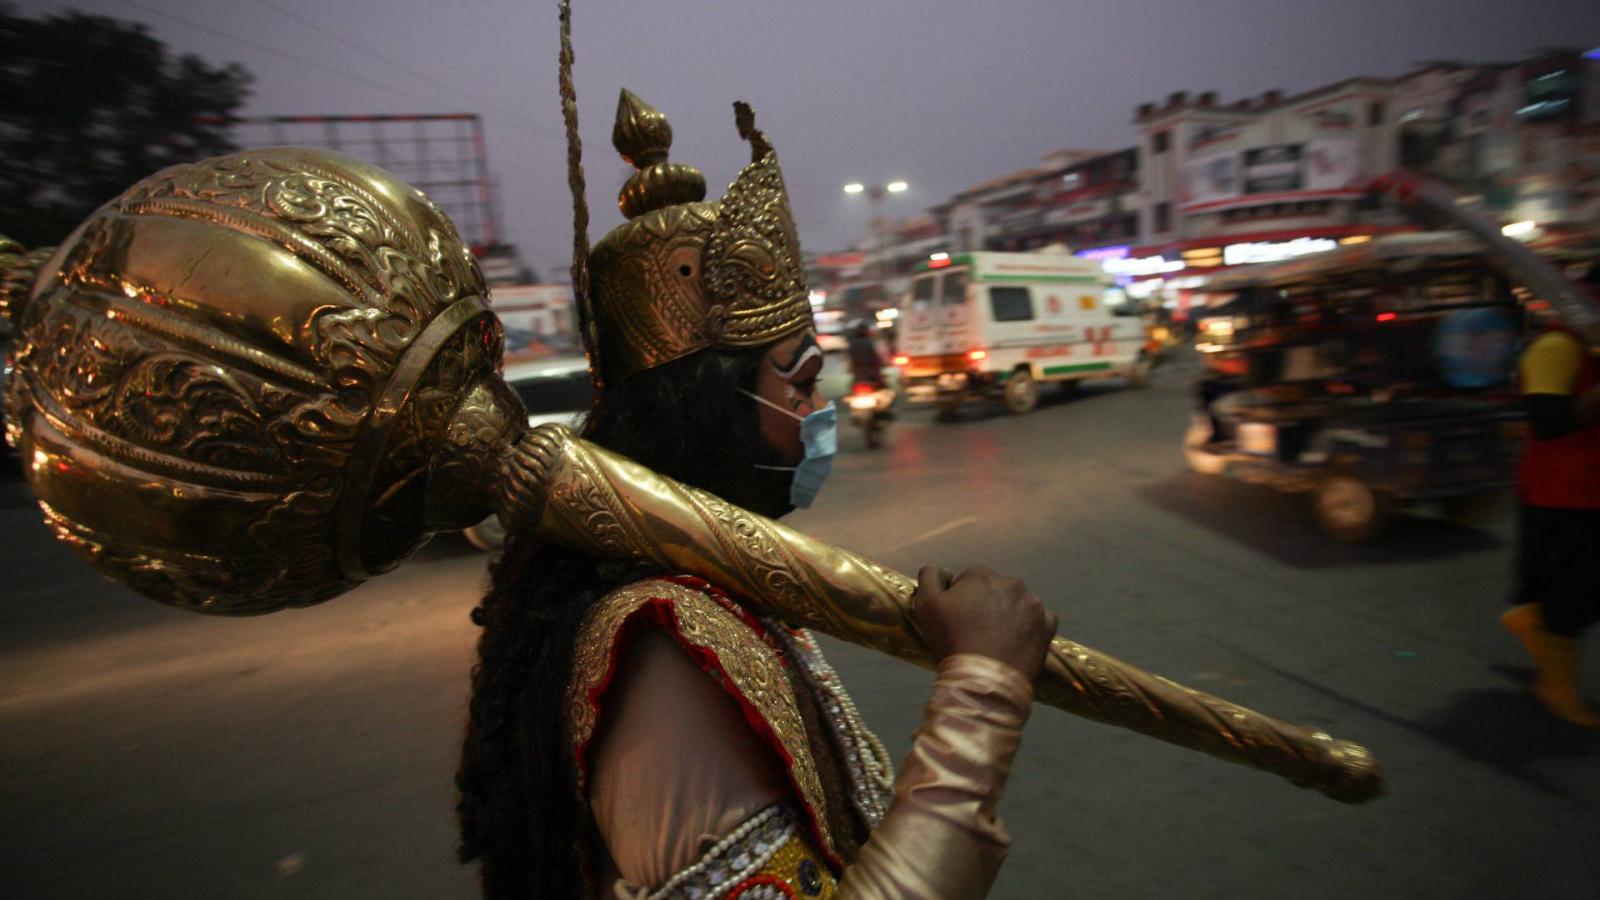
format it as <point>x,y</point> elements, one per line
<point>1194,442</point>
<point>1021,393</point>
<point>1349,509</point>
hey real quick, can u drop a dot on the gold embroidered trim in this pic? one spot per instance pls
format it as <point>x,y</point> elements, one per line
<point>752,667</point>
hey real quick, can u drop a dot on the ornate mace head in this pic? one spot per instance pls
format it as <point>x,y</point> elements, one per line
<point>253,382</point>
<point>684,274</point>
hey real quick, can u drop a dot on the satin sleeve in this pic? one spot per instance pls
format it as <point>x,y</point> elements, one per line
<point>941,837</point>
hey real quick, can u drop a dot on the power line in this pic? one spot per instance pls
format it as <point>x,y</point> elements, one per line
<point>260,46</point>
<point>544,131</point>
<point>325,31</point>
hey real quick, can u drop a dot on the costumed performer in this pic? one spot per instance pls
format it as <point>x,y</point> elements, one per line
<point>639,733</point>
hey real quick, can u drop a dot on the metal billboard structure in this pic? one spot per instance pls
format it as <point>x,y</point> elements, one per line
<point>442,154</point>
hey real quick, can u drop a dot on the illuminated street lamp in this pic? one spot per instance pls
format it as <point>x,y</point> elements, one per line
<point>875,193</point>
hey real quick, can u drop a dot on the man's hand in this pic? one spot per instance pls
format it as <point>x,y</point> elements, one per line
<point>983,612</point>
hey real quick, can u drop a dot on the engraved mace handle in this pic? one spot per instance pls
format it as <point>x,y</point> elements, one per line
<point>586,498</point>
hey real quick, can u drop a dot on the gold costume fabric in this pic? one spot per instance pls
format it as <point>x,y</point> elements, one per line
<point>941,837</point>
<point>698,786</point>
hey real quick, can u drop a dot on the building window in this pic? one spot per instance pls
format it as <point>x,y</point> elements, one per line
<point>1375,113</point>
<point>1158,142</point>
<point>1163,217</point>
<point>1071,179</point>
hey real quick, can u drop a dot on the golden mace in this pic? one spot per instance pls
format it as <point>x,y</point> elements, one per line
<point>254,382</point>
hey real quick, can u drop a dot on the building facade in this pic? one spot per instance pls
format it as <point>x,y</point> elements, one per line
<point>1210,185</point>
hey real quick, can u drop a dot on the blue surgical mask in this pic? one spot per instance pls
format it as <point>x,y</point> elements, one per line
<point>819,433</point>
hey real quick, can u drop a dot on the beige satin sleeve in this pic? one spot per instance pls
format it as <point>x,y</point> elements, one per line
<point>676,766</point>
<point>940,837</point>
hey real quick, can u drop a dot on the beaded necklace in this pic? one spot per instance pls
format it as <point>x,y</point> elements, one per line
<point>870,770</point>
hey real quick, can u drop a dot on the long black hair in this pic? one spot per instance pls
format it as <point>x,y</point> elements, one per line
<point>519,812</point>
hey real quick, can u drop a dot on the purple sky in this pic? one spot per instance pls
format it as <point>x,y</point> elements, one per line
<point>942,94</point>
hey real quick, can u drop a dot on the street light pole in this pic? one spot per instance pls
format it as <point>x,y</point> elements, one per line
<point>875,193</point>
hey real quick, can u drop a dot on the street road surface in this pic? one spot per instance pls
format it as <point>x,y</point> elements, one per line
<point>146,752</point>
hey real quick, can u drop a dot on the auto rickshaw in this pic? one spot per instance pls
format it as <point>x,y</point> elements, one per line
<point>1370,376</point>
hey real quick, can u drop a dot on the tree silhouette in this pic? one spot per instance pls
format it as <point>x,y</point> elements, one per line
<point>91,105</point>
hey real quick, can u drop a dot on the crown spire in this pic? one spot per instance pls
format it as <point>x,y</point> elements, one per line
<point>644,136</point>
<point>685,274</point>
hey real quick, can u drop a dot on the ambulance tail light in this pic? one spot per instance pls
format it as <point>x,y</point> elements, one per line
<point>901,360</point>
<point>977,355</point>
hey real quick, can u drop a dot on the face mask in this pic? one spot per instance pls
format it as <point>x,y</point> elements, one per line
<point>819,433</point>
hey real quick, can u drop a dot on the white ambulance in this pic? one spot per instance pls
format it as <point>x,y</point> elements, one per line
<point>986,324</point>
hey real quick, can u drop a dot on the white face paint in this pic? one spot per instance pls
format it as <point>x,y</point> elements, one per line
<point>791,394</point>
<point>811,352</point>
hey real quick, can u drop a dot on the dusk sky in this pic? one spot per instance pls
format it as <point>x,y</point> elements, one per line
<point>940,93</point>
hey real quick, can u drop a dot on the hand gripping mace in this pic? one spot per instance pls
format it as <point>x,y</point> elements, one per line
<point>254,382</point>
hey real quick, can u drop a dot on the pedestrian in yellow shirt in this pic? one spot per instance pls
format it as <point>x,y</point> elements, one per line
<point>1558,548</point>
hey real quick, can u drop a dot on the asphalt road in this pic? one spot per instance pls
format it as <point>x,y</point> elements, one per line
<point>146,752</point>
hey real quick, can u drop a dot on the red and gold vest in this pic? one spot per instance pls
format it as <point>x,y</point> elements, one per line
<point>839,773</point>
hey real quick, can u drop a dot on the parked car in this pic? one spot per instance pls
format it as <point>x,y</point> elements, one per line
<point>552,390</point>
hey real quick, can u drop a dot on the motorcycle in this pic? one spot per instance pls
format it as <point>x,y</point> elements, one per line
<point>870,410</point>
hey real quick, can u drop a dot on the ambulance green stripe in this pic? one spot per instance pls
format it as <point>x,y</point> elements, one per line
<point>1080,367</point>
<point>1071,279</point>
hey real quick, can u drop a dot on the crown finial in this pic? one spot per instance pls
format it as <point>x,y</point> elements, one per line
<point>744,118</point>
<point>643,136</point>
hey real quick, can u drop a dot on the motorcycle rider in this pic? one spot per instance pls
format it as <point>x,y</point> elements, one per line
<point>866,377</point>
<point>866,366</point>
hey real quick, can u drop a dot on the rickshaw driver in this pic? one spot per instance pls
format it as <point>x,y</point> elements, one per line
<point>1558,547</point>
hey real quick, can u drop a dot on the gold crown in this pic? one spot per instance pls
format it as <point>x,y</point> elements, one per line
<point>684,274</point>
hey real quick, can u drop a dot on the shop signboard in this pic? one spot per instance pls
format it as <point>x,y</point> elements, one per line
<point>1082,211</point>
<point>1210,178</point>
<point>1331,164</point>
<point>1274,251</point>
<point>1273,169</point>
